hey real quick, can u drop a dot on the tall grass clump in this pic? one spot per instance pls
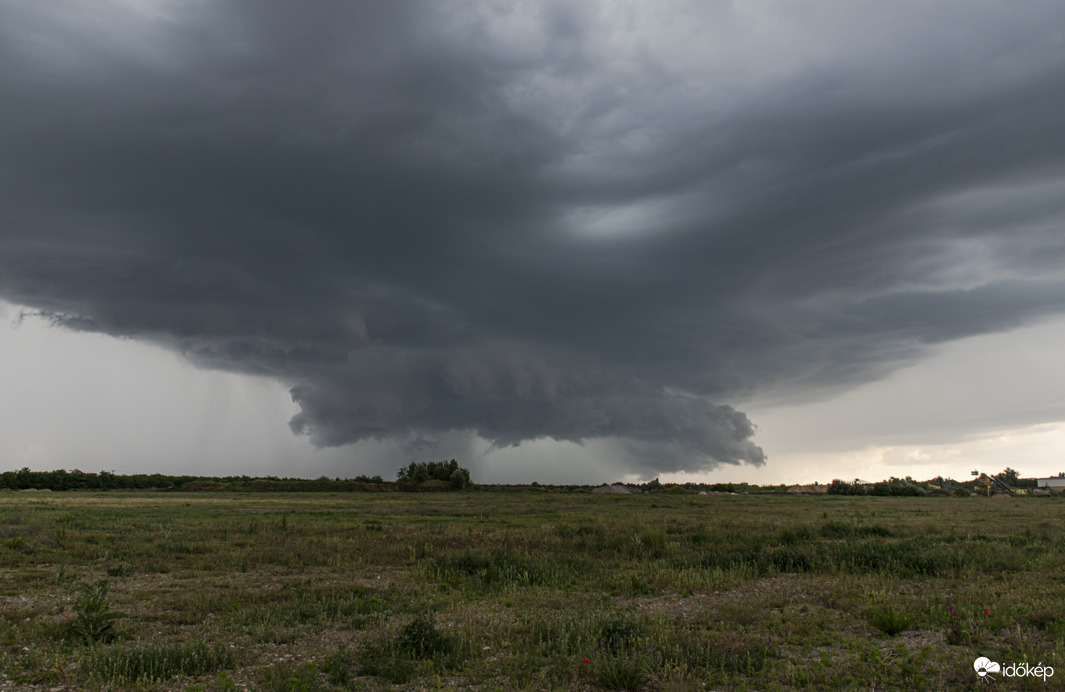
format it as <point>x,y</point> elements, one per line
<point>889,621</point>
<point>555,633</point>
<point>621,672</point>
<point>154,663</point>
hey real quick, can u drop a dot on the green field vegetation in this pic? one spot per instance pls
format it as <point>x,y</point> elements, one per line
<point>525,590</point>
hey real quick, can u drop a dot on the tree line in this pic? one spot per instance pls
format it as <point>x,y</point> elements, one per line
<point>414,476</point>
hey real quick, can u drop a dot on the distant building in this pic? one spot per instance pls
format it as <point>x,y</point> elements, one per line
<point>1054,483</point>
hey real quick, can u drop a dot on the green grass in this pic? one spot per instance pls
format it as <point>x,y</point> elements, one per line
<point>149,663</point>
<point>538,590</point>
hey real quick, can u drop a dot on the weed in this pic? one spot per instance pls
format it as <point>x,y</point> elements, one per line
<point>93,619</point>
<point>959,635</point>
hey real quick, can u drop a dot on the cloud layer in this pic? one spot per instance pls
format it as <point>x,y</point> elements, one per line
<point>564,220</point>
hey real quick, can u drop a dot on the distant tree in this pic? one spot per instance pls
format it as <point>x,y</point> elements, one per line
<point>369,479</point>
<point>1009,476</point>
<point>838,487</point>
<point>417,473</point>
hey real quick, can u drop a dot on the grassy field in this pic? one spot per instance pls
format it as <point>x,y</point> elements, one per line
<point>495,590</point>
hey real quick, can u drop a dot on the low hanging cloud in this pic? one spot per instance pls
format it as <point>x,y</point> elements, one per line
<point>567,220</point>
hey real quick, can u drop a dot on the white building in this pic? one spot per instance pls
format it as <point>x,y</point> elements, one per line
<point>1055,483</point>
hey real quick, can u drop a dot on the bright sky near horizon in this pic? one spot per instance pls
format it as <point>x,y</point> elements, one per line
<point>561,241</point>
<point>141,409</point>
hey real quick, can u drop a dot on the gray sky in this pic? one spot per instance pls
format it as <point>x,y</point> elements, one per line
<point>559,240</point>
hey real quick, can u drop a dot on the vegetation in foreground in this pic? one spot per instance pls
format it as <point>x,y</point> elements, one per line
<point>515,591</point>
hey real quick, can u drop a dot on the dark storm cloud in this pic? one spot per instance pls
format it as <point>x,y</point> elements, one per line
<point>564,221</point>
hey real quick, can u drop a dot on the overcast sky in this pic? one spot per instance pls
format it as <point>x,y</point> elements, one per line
<point>564,241</point>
